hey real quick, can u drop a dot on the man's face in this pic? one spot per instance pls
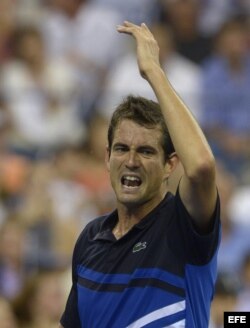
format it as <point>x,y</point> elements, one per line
<point>136,163</point>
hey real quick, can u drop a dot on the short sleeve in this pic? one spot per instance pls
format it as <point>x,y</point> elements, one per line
<point>198,248</point>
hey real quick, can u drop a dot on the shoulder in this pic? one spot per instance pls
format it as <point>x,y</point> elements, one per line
<point>86,236</point>
<point>91,229</point>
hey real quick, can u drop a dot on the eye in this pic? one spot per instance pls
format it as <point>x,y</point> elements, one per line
<point>120,148</point>
<point>147,151</point>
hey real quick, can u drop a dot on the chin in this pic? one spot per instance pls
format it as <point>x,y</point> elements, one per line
<point>130,201</point>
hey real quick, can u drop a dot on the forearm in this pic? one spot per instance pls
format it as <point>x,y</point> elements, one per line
<point>188,139</point>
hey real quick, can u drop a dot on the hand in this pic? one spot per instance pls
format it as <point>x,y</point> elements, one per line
<point>147,47</point>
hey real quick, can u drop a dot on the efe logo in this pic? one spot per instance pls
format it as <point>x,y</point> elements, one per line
<point>236,319</point>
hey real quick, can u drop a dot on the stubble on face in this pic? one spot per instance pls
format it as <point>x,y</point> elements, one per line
<point>136,164</point>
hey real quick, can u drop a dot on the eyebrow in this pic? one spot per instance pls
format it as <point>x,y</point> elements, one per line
<point>119,144</point>
<point>140,147</point>
<point>147,147</point>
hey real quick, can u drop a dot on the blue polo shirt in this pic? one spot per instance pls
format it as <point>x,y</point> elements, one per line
<point>160,274</point>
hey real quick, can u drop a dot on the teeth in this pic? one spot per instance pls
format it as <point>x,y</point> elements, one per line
<point>131,181</point>
<point>131,178</point>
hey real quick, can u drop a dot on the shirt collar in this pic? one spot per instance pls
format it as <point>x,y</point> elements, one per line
<point>111,220</point>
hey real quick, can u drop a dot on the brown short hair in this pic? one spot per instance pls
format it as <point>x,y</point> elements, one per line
<point>144,112</point>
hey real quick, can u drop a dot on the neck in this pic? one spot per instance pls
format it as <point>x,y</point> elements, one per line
<point>124,224</point>
<point>129,216</point>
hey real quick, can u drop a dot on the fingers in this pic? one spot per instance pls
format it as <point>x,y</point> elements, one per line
<point>129,24</point>
<point>127,27</point>
<point>122,29</point>
<point>145,27</point>
<point>131,28</point>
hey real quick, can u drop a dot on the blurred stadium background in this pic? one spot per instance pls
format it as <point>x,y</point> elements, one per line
<point>63,69</point>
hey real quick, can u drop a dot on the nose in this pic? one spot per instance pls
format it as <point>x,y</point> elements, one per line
<point>132,160</point>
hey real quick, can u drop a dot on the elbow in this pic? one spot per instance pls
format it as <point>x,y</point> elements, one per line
<point>203,170</point>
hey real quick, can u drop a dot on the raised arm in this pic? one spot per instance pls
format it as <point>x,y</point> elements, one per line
<point>197,186</point>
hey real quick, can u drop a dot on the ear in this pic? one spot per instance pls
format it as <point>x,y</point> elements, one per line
<point>107,158</point>
<point>171,165</point>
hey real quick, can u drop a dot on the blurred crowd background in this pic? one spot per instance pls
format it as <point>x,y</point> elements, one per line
<point>63,70</point>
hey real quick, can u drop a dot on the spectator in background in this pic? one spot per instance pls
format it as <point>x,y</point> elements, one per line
<point>92,173</point>
<point>235,242</point>
<point>41,95</point>
<point>7,19</point>
<point>226,97</point>
<point>41,301</point>
<point>72,200</point>
<point>82,32</point>
<point>7,316</point>
<point>183,16</point>
<point>13,168</point>
<point>137,11</point>
<point>214,13</point>
<point>29,11</point>
<point>13,262</point>
<point>243,303</point>
<point>51,208</point>
<point>240,205</point>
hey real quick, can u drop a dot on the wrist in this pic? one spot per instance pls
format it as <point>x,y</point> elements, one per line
<point>155,74</point>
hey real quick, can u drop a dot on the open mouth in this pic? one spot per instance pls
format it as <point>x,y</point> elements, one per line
<point>131,181</point>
